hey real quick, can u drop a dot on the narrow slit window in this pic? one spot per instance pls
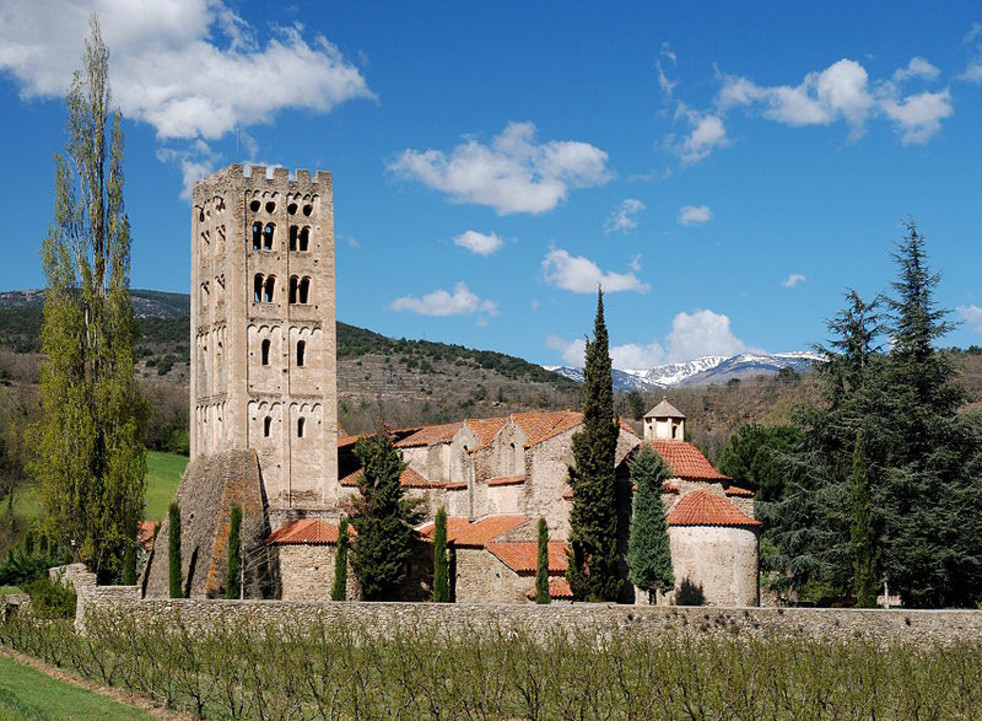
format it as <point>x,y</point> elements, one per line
<point>265,351</point>
<point>303,293</point>
<point>301,353</point>
<point>294,284</point>
<point>267,426</point>
<point>257,234</point>
<point>269,289</point>
<point>294,231</point>
<point>268,236</point>
<point>257,288</point>
<point>301,422</point>
<point>305,239</point>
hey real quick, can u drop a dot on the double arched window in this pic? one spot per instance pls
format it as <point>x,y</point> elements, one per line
<point>257,235</point>
<point>263,236</point>
<point>299,290</point>
<point>300,238</point>
<point>263,288</point>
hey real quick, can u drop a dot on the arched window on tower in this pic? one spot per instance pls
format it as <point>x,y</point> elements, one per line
<point>303,293</point>
<point>268,236</point>
<point>266,344</point>
<point>294,285</point>
<point>301,353</point>
<point>267,426</point>
<point>305,239</point>
<point>301,423</point>
<point>269,289</point>
<point>257,288</point>
<point>257,235</point>
<point>294,232</point>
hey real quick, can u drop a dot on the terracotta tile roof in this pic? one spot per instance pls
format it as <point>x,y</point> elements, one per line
<point>506,481</point>
<point>558,589</point>
<point>430,435</point>
<point>703,508</point>
<point>345,441</point>
<point>485,429</point>
<point>456,486</point>
<point>686,461</point>
<point>145,531</point>
<point>670,488</point>
<point>408,479</point>
<point>737,492</point>
<point>522,556</point>
<point>463,532</point>
<point>307,531</point>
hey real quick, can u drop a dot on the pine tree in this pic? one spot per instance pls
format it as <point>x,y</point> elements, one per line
<point>595,569</point>
<point>649,555</point>
<point>90,463</point>
<point>233,569</point>
<point>542,594</point>
<point>441,581</point>
<point>174,551</point>
<point>339,591</point>
<point>383,519</point>
<point>864,546</point>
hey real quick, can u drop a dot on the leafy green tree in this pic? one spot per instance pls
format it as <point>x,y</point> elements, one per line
<point>649,555</point>
<point>174,551</point>
<point>866,556</point>
<point>339,591</point>
<point>542,594</point>
<point>635,405</point>
<point>90,463</point>
<point>595,570</point>
<point>757,457</point>
<point>441,580</point>
<point>233,569</point>
<point>129,560</point>
<point>383,519</point>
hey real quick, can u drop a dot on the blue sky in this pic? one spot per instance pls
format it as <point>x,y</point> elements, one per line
<point>725,170</point>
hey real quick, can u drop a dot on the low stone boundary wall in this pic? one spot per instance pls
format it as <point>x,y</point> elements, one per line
<point>544,622</point>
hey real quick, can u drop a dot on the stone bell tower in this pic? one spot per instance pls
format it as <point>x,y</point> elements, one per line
<point>263,337</point>
<point>664,422</point>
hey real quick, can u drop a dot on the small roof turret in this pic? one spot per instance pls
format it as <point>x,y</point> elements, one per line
<point>664,410</point>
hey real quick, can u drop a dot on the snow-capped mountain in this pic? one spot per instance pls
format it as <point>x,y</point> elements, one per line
<point>704,370</point>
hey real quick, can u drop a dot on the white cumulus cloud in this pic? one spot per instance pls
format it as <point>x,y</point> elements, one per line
<point>695,214</point>
<point>514,174</point>
<point>624,218</point>
<point>792,280</point>
<point>630,355</point>
<point>706,133</point>
<point>442,303</point>
<point>973,71</point>
<point>971,315</point>
<point>190,68</point>
<point>700,333</point>
<point>480,243</point>
<point>582,275</point>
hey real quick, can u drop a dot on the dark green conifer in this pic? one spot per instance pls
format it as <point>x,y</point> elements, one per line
<point>233,570</point>
<point>865,552</point>
<point>649,556</point>
<point>174,551</point>
<point>595,569</point>
<point>129,559</point>
<point>542,565</point>
<point>339,591</point>
<point>441,580</point>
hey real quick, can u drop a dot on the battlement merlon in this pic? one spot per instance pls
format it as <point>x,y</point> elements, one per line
<point>237,177</point>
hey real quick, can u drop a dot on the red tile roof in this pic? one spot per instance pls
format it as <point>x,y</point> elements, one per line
<point>456,486</point>
<point>408,479</point>
<point>703,508</point>
<point>686,461</point>
<point>485,429</point>
<point>307,531</point>
<point>345,441</point>
<point>430,435</point>
<point>738,492</point>
<point>523,556</point>
<point>506,481</point>
<point>463,532</point>
<point>145,531</point>
<point>558,589</point>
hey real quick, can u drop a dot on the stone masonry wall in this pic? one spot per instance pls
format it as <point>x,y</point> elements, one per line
<point>545,622</point>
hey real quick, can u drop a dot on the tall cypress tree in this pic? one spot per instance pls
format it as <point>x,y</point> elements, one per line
<point>649,555</point>
<point>865,552</point>
<point>233,569</point>
<point>595,569</point>
<point>441,580</point>
<point>90,462</point>
<point>174,551</point>
<point>383,518</point>
<point>542,565</point>
<point>339,591</point>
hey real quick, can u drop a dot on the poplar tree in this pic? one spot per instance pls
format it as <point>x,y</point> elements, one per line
<point>383,518</point>
<point>233,569</point>
<point>174,551</point>
<point>441,580</point>
<point>595,572</point>
<point>865,553</point>
<point>542,565</point>
<point>649,554</point>
<point>90,463</point>
<point>339,591</point>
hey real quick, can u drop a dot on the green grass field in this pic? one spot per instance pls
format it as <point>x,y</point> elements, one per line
<point>164,471</point>
<point>30,695</point>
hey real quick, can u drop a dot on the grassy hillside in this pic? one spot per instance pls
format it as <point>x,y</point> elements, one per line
<point>164,471</point>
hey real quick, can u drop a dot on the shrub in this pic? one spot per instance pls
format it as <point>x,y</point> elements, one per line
<point>50,599</point>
